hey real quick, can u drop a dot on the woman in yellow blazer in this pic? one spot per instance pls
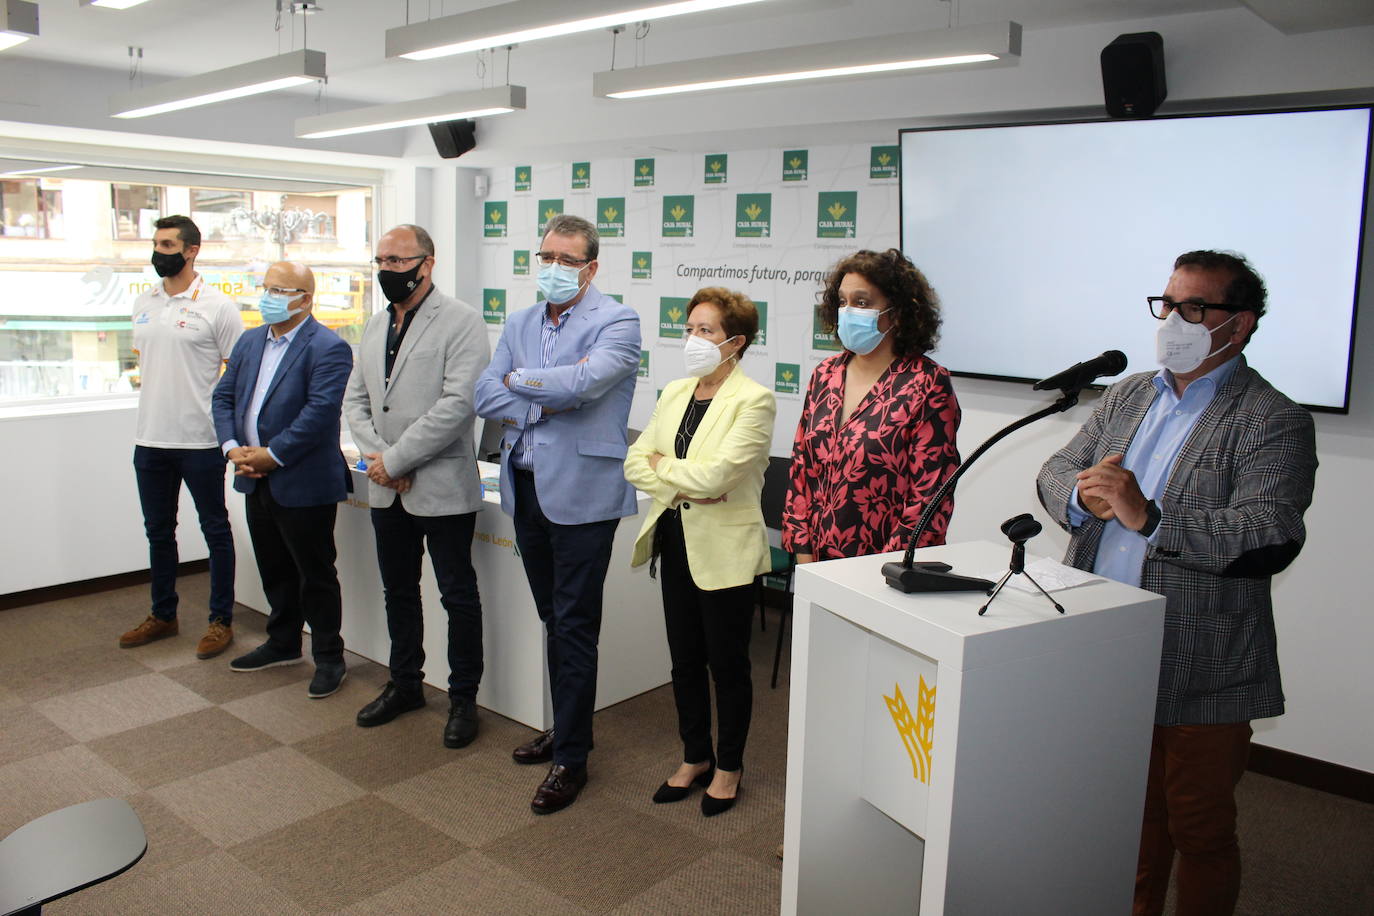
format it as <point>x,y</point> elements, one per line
<point>702,459</point>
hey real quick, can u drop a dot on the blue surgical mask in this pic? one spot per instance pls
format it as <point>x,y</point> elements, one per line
<point>276,309</point>
<point>858,329</point>
<point>559,283</point>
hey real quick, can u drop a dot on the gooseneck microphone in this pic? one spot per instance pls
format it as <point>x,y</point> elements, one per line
<point>908,576</point>
<point>1080,375</point>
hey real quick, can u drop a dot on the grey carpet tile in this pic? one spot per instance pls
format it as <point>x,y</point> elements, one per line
<point>207,677</point>
<point>256,795</point>
<point>385,754</point>
<point>721,882</point>
<point>171,840</point>
<point>35,785</point>
<point>598,854</point>
<point>25,732</point>
<point>288,715</point>
<point>181,746</point>
<point>52,674</point>
<point>346,854</point>
<point>470,884</point>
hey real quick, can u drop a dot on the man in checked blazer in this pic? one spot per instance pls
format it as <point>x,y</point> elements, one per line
<point>409,407</point>
<point>561,383</point>
<point>1192,482</point>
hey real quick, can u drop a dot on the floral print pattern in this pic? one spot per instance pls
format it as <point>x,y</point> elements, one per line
<point>860,488</point>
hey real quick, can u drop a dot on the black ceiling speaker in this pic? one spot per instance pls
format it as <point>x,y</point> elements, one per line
<point>1133,75</point>
<point>453,138</point>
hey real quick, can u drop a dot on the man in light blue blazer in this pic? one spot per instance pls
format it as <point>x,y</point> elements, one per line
<point>561,382</point>
<point>276,412</point>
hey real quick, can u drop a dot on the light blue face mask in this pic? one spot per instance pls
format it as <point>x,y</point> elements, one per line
<point>858,329</point>
<point>275,308</point>
<point>559,283</point>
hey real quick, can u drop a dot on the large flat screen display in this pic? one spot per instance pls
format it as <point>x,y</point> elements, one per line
<point>1043,240</point>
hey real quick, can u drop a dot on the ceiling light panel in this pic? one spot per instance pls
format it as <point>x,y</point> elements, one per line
<point>530,20</point>
<point>295,68</point>
<point>994,44</point>
<point>113,4</point>
<point>478,103</point>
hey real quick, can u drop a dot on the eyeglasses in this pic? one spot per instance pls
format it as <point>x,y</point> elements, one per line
<point>548,258</point>
<point>1189,310</point>
<point>279,291</point>
<point>391,262</point>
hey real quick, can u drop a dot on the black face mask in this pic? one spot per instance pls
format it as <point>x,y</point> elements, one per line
<point>168,265</point>
<point>397,285</point>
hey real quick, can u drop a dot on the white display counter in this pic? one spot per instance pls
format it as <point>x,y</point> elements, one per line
<point>943,762</point>
<point>634,649</point>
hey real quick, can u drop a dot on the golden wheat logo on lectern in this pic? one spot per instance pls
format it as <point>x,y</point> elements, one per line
<point>917,732</point>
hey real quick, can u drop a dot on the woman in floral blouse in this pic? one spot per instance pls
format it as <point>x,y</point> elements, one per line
<point>877,432</point>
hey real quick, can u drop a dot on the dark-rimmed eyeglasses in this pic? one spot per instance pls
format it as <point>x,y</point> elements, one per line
<point>548,258</point>
<point>391,262</point>
<point>1190,310</point>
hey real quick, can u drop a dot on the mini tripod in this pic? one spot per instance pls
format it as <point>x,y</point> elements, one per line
<point>1020,530</point>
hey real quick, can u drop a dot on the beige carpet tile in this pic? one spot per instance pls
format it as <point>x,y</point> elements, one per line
<point>208,677</point>
<point>288,715</point>
<point>476,799</point>
<point>172,652</point>
<point>51,674</point>
<point>722,882</point>
<point>597,853</point>
<point>760,843</point>
<point>182,746</point>
<point>37,785</point>
<point>171,841</point>
<point>470,884</point>
<point>208,886</point>
<point>255,795</point>
<point>759,803</point>
<point>347,853</point>
<point>25,732</point>
<point>379,756</point>
<point>115,707</point>
<point>38,630</point>
<point>9,699</point>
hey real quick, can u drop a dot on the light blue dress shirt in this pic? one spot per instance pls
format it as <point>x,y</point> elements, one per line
<point>522,456</point>
<point>272,352</point>
<point>1151,456</point>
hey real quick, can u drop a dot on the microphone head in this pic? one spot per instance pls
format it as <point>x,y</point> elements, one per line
<point>1113,362</point>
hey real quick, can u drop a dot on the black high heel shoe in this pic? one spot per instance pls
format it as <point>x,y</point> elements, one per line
<point>667,793</point>
<point>711,806</point>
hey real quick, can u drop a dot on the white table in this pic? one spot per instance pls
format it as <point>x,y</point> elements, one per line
<point>634,649</point>
<point>1033,752</point>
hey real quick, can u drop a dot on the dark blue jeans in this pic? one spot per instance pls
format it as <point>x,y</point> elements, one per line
<point>401,539</point>
<point>160,473</point>
<point>566,568</point>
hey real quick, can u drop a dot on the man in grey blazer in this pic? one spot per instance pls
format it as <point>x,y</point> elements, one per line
<point>561,383</point>
<point>409,406</point>
<point>1192,482</point>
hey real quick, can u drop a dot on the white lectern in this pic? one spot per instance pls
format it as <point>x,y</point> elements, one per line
<point>943,762</point>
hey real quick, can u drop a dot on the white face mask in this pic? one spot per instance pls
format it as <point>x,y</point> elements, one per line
<point>700,356</point>
<point>1182,347</point>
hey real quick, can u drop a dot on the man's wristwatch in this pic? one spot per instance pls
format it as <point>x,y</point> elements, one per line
<point>1152,517</point>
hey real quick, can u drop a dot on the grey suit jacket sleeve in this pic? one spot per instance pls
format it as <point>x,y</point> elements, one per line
<point>357,404</point>
<point>466,352</point>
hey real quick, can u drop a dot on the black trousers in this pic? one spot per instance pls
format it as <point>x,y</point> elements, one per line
<point>707,631</point>
<point>401,540</point>
<point>294,547</point>
<point>566,568</point>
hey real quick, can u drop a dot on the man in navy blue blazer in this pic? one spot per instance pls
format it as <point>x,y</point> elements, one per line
<point>276,412</point>
<point>561,382</point>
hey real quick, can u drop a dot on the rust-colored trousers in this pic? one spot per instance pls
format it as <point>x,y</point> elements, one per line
<point>1190,807</point>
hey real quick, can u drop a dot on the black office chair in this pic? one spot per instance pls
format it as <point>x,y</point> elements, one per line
<point>67,850</point>
<point>775,482</point>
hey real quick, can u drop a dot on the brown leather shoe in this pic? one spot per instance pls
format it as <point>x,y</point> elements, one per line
<point>147,631</point>
<point>559,789</point>
<point>216,639</point>
<point>540,750</point>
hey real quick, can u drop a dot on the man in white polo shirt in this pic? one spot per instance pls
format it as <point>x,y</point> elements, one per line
<point>184,329</point>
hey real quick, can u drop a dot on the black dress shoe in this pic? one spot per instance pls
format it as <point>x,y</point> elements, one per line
<point>667,793</point>
<point>711,806</point>
<point>462,723</point>
<point>559,789</point>
<point>389,705</point>
<point>539,750</point>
